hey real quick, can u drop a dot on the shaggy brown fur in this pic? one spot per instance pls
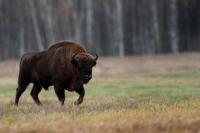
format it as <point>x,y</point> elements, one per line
<point>66,65</point>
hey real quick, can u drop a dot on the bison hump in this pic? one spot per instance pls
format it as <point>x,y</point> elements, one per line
<point>66,44</point>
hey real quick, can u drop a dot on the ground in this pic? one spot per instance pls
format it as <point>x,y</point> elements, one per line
<point>132,94</point>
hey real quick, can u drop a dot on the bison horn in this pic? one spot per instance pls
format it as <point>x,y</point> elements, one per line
<point>96,57</point>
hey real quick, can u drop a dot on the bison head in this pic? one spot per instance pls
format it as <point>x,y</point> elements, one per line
<point>84,62</point>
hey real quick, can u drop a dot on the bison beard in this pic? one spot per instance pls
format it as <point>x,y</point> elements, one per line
<point>66,65</point>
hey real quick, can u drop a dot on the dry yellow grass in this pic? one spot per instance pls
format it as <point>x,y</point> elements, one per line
<point>152,117</point>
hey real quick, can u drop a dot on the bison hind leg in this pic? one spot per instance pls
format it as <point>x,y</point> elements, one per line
<point>34,93</point>
<point>20,89</point>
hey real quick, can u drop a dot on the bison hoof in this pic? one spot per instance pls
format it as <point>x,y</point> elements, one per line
<point>39,104</point>
<point>77,102</point>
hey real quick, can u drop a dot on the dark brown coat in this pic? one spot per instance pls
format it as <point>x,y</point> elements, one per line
<point>66,65</point>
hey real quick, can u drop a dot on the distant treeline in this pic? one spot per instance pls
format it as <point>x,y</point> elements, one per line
<point>108,27</point>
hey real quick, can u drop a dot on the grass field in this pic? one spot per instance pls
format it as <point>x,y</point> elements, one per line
<point>153,101</point>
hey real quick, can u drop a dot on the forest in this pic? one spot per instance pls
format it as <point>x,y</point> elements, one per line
<point>109,27</point>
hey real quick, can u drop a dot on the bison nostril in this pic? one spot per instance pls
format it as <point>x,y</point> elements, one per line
<point>87,74</point>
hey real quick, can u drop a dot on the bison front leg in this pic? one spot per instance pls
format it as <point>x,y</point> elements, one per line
<point>81,92</point>
<point>34,93</point>
<point>60,92</point>
<point>61,95</point>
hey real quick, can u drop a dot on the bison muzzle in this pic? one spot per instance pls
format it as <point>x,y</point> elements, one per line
<point>66,65</point>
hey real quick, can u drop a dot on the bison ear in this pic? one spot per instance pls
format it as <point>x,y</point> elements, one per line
<point>73,60</point>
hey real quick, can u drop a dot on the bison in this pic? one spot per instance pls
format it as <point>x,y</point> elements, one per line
<point>66,65</point>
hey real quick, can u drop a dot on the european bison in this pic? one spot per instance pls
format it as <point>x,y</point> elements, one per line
<point>66,65</point>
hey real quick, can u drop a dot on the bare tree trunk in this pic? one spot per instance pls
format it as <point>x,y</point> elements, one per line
<point>76,21</point>
<point>89,23</point>
<point>173,26</point>
<point>21,37</point>
<point>35,25</point>
<point>156,32</point>
<point>119,27</point>
<point>135,27</point>
<point>49,22</point>
<point>22,45</point>
<point>1,2</point>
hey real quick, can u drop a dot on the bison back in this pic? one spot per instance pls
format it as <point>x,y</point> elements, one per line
<point>69,45</point>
